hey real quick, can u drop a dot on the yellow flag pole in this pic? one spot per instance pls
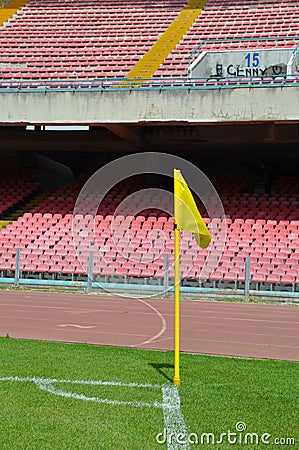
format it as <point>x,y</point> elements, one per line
<point>187,218</point>
<point>177,380</point>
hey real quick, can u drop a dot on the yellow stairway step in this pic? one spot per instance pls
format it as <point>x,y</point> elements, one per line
<point>9,10</point>
<point>152,60</point>
<point>27,206</point>
<point>4,223</point>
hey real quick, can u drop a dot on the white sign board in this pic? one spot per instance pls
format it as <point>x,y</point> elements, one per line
<point>241,63</point>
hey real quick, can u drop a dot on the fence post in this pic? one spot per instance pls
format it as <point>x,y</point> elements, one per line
<point>247,279</point>
<point>166,273</point>
<point>17,269</point>
<point>90,269</point>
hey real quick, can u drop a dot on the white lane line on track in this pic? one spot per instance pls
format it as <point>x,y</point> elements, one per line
<point>251,344</point>
<point>76,326</point>
<point>78,311</point>
<point>147,341</point>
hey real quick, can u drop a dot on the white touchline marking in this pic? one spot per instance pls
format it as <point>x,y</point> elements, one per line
<point>76,326</point>
<point>176,433</point>
<point>174,423</point>
<point>163,328</point>
<point>88,382</point>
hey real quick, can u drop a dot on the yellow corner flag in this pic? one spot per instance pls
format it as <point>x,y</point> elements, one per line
<point>186,218</point>
<point>186,214</point>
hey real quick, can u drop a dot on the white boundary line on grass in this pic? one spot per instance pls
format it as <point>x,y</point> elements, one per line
<point>88,382</point>
<point>173,419</point>
<point>174,423</point>
<point>50,388</point>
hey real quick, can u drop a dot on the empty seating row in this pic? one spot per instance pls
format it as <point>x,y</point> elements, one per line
<point>59,30</point>
<point>15,187</point>
<point>231,20</point>
<point>140,250</point>
<point>247,205</point>
<point>97,27</point>
<point>53,240</point>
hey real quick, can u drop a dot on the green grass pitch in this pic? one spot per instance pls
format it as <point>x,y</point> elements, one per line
<point>217,395</point>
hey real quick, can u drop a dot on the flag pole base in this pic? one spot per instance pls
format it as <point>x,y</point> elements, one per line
<point>177,381</point>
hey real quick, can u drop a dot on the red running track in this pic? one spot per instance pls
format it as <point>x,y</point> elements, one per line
<point>218,328</point>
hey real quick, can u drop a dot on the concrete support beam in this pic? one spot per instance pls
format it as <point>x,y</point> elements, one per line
<point>128,134</point>
<point>189,106</point>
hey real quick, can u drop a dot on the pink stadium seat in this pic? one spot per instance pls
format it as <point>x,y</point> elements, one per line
<point>273,278</point>
<point>288,278</point>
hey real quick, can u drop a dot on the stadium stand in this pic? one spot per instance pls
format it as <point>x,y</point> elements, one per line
<point>264,227</point>
<point>108,42</point>
<point>71,39</point>
<point>9,9</point>
<point>152,60</point>
<point>14,189</point>
<point>50,40</point>
<point>225,20</point>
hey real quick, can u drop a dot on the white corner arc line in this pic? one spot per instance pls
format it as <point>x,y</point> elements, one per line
<point>46,384</point>
<point>48,387</point>
<point>174,424</point>
<point>163,327</point>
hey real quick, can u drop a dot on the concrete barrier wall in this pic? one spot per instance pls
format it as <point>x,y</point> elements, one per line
<point>150,106</point>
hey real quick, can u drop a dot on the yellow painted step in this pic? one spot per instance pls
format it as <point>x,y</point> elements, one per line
<point>4,223</point>
<point>152,60</point>
<point>8,11</point>
<point>6,14</point>
<point>29,205</point>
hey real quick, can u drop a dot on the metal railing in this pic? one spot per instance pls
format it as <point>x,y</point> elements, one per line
<point>153,84</point>
<point>294,63</point>
<point>163,286</point>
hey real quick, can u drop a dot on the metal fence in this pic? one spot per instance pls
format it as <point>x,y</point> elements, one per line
<point>163,286</point>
